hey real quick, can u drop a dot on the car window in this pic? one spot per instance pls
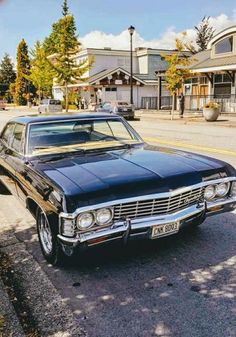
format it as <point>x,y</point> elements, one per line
<point>62,135</point>
<point>103,128</point>
<point>44,101</point>
<point>119,130</point>
<point>7,133</point>
<point>17,143</point>
<point>107,106</point>
<point>122,103</point>
<point>54,102</point>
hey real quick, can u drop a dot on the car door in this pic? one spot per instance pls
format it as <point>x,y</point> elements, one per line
<point>7,170</point>
<point>18,163</point>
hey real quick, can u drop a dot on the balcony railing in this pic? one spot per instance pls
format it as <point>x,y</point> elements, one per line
<point>227,103</point>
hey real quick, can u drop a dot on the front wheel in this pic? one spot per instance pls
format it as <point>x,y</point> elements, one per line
<point>48,239</point>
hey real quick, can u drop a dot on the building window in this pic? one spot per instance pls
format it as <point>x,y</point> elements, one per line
<point>224,46</point>
<point>222,90</point>
<point>110,89</point>
<point>222,85</point>
<point>222,78</point>
<point>203,80</point>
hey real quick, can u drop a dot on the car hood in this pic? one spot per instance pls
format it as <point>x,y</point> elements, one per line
<point>109,175</point>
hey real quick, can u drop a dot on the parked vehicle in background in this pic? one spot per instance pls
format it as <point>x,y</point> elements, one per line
<point>49,105</point>
<point>90,179</point>
<point>2,105</point>
<point>120,108</point>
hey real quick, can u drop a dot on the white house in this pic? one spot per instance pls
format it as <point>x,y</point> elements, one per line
<point>109,77</point>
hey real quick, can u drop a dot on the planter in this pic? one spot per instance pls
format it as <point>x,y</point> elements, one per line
<point>211,114</point>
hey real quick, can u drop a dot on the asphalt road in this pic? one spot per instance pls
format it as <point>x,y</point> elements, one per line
<point>180,286</point>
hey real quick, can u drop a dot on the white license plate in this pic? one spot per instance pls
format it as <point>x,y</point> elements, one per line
<point>164,230</point>
<point>124,109</point>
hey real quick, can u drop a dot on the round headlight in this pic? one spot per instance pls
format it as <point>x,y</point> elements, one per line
<point>103,216</point>
<point>233,189</point>
<point>209,192</point>
<point>85,220</point>
<point>222,189</point>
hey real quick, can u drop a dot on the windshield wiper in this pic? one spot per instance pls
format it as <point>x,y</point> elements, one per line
<point>60,156</point>
<point>52,159</point>
<point>43,147</point>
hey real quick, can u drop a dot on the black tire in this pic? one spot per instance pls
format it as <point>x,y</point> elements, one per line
<point>47,234</point>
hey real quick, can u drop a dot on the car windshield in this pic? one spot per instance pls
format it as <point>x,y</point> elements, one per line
<point>122,103</point>
<point>75,135</point>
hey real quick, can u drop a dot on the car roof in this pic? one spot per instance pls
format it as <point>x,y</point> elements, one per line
<point>59,117</point>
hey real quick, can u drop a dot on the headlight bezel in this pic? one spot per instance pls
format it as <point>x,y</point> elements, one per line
<point>216,187</point>
<point>78,219</point>
<point>104,223</point>
<point>96,222</point>
<point>233,189</point>
<point>220,195</point>
<point>213,195</point>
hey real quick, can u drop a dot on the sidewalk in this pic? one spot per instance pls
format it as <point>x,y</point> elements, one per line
<point>226,120</point>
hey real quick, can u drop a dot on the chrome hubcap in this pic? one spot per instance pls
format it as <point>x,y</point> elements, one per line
<point>45,234</point>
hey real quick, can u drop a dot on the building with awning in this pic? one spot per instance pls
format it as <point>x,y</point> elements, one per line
<point>213,74</point>
<point>109,77</point>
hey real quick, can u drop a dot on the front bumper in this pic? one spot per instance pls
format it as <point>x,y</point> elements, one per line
<point>142,227</point>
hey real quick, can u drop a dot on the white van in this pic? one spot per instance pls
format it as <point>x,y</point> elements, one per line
<point>48,105</point>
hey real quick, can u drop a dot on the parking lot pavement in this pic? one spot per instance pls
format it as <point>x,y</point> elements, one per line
<point>179,286</point>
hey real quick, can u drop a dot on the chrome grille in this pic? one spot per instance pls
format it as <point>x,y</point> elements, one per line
<point>158,206</point>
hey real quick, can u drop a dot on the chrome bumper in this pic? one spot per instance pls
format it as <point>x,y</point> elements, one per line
<point>130,228</point>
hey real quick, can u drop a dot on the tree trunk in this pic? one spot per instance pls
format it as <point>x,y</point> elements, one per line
<point>173,107</point>
<point>66,92</point>
<point>39,91</point>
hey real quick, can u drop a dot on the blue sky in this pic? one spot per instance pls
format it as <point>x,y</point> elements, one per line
<point>105,21</point>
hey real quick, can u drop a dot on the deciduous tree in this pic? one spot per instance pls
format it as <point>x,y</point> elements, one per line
<point>41,73</point>
<point>177,69</point>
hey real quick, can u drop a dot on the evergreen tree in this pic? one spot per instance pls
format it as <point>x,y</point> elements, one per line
<point>7,72</point>
<point>22,71</point>
<point>64,62</point>
<point>41,74</point>
<point>65,8</point>
<point>178,69</point>
<point>205,33</point>
<point>51,43</point>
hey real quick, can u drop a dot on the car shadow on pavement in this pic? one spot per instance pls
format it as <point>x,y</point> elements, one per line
<point>177,286</point>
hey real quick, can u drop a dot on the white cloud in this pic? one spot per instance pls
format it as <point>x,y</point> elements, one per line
<point>98,39</point>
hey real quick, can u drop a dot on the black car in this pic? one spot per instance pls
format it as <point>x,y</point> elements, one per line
<point>90,179</point>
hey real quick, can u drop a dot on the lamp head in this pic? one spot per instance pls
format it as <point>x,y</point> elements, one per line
<point>131,30</point>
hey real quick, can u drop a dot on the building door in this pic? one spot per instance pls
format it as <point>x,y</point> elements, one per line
<point>194,98</point>
<point>124,95</point>
<point>203,96</point>
<point>110,94</point>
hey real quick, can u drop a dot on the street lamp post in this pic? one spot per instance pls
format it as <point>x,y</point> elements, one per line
<point>131,30</point>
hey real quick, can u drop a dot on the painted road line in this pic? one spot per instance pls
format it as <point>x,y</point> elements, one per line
<point>190,146</point>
